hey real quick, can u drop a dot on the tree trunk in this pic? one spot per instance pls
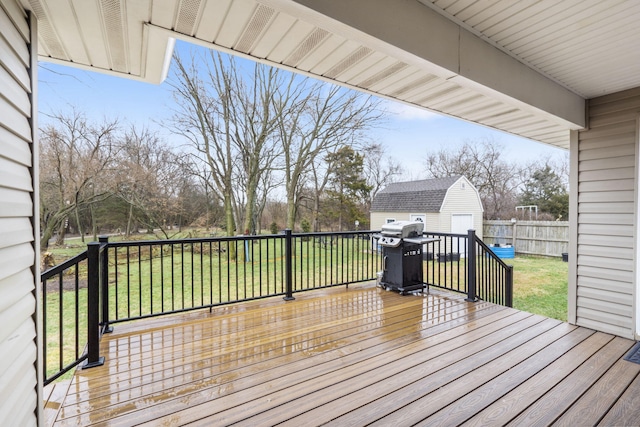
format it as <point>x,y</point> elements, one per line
<point>94,226</point>
<point>80,230</point>
<point>291,212</point>
<point>129,221</point>
<point>61,233</point>
<point>230,224</point>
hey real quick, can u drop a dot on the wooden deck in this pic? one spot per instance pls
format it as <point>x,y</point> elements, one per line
<point>354,357</point>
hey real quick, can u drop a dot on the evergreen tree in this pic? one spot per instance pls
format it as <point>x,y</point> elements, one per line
<point>545,189</point>
<point>348,188</point>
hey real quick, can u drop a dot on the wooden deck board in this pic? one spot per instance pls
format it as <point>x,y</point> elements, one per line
<point>565,393</point>
<point>601,395</point>
<point>355,357</point>
<point>388,369</point>
<point>626,410</point>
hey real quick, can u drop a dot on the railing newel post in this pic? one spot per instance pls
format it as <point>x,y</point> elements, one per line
<point>509,287</point>
<point>104,280</point>
<point>471,266</point>
<point>288,273</point>
<point>93,306</point>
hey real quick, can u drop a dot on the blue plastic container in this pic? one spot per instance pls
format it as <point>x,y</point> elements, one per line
<point>503,252</point>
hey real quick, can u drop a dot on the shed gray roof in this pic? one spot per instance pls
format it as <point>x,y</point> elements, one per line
<point>425,195</point>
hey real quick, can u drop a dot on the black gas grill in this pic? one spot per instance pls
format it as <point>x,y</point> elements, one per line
<point>402,243</point>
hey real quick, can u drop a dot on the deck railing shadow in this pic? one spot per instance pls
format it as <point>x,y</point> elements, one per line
<point>116,282</point>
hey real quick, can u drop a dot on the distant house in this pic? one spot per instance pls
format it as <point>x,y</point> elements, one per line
<point>447,205</point>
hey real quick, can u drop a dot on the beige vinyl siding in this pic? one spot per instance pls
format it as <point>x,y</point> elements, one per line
<point>461,200</point>
<point>378,219</point>
<point>18,349</point>
<point>606,215</point>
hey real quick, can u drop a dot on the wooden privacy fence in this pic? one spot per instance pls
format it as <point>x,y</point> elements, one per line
<point>549,238</point>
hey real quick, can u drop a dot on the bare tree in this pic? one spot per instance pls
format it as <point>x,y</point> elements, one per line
<point>481,162</point>
<point>151,179</point>
<point>77,161</point>
<point>257,113</point>
<point>205,118</point>
<point>379,169</point>
<point>319,119</point>
<point>230,116</point>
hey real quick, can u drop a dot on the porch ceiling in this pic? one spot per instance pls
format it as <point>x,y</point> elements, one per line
<point>522,67</point>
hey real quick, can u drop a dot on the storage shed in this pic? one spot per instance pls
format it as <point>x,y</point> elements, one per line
<point>446,205</point>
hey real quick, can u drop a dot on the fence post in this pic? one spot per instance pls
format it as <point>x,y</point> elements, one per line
<point>104,280</point>
<point>288,264</point>
<point>471,266</point>
<point>93,307</point>
<point>509,286</point>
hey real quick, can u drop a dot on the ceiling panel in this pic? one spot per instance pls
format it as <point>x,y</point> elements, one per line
<point>261,19</point>
<point>213,15</point>
<point>426,89</point>
<point>294,36</point>
<point>163,14</point>
<point>63,40</point>
<point>396,79</point>
<point>343,57</point>
<point>237,17</point>
<point>308,45</point>
<point>463,97</point>
<point>353,71</point>
<point>414,86</point>
<point>587,46</point>
<point>136,11</point>
<point>98,56</point>
<point>279,27</point>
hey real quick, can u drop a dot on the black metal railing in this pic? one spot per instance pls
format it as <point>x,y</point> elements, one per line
<point>151,278</point>
<point>64,316</point>
<point>122,281</point>
<point>463,263</point>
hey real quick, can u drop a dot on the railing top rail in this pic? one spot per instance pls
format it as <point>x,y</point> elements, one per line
<point>63,266</point>
<point>193,240</point>
<point>230,238</point>
<point>438,233</point>
<point>334,233</point>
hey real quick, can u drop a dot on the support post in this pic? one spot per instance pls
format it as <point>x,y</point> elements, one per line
<point>104,281</point>
<point>288,264</point>
<point>509,287</point>
<point>93,310</point>
<point>471,266</point>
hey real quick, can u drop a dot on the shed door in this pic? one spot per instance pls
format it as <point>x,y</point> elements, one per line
<point>461,224</point>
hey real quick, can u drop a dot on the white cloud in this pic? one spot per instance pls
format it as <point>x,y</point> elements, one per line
<point>407,112</point>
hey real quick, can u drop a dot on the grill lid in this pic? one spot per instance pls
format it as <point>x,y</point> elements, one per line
<point>402,229</point>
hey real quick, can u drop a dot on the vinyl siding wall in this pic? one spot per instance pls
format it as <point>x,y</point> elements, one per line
<point>603,286</point>
<point>378,219</point>
<point>18,349</point>
<point>462,198</point>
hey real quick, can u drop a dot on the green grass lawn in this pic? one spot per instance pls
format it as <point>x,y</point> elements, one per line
<point>540,285</point>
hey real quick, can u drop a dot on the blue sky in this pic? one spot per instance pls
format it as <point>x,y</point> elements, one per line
<point>409,135</point>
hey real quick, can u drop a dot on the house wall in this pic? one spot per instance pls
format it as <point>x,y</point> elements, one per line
<point>602,277</point>
<point>378,219</point>
<point>462,198</point>
<point>18,267</point>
